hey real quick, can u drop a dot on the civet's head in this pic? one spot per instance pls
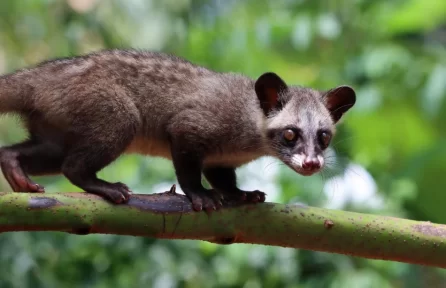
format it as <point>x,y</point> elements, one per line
<point>301,121</point>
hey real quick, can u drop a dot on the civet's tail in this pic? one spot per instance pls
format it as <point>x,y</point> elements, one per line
<point>11,93</point>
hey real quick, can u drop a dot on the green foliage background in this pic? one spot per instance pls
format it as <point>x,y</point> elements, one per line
<point>391,144</point>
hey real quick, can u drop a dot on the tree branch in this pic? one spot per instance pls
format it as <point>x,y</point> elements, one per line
<point>169,215</point>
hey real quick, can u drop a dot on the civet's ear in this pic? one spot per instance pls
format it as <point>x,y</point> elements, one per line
<point>268,88</point>
<point>339,100</point>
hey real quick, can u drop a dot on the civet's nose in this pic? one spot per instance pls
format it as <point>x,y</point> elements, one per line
<point>311,164</point>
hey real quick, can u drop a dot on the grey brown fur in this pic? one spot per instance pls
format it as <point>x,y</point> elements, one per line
<point>84,112</point>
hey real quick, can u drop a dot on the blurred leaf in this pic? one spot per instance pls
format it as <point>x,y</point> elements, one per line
<point>414,16</point>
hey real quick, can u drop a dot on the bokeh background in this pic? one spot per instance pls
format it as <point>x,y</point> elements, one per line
<point>390,149</point>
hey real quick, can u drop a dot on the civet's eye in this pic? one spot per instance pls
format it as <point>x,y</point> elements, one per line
<point>324,139</point>
<point>289,135</point>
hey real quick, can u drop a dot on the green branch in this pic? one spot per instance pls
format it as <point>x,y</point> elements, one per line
<point>169,215</point>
